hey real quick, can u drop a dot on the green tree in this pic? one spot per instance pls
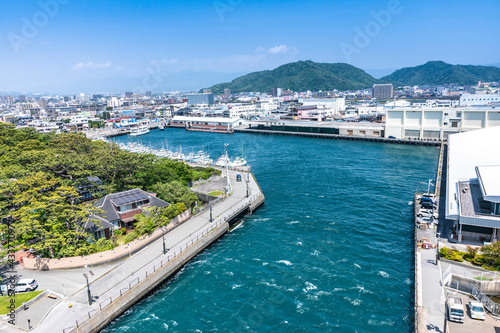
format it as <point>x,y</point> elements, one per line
<point>46,220</point>
<point>150,219</point>
<point>174,192</point>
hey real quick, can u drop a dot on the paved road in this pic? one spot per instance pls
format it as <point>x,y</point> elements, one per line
<point>109,279</point>
<point>433,299</point>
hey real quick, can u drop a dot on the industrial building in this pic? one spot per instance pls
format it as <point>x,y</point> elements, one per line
<point>473,185</point>
<point>438,123</point>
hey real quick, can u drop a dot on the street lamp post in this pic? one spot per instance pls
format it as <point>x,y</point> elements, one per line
<point>210,211</point>
<point>88,286</point>
<point>165,250</point>
<point>248,181</point>
<point>437,248</point>
<point>228,184</point>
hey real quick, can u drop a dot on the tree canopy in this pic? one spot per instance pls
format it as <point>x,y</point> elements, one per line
<point>39,175</point>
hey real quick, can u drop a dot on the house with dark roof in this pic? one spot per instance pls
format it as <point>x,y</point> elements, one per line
<point>119,211</point>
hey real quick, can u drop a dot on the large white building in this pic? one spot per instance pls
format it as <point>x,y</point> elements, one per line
<point>437,123</point>
<point>473,185</point>
<point>479,99</point>
<point>335,104</point>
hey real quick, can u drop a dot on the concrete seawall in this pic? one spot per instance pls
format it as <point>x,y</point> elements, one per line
<point>144,287</point>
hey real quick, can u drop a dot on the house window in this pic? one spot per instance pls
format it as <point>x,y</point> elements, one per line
<point>445,123</point>
<point>454,124</point>
<point>459,114</point>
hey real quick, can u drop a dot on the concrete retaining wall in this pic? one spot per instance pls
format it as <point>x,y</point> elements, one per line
<point>100,258</point>
<point>99,320</point>
<point>487,287</point>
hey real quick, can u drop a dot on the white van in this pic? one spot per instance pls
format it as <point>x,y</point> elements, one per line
<point>456,309</point>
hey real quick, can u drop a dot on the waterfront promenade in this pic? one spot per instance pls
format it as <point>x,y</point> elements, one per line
<point>114,279</point>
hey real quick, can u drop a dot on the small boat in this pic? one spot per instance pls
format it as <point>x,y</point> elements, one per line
<point>143,129</point>
<point>161,127</point>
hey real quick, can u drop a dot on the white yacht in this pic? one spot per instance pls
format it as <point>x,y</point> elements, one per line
<point>143,129</point>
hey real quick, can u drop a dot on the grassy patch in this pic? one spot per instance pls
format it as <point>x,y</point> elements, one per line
<point>216,193</point>
<point>19,298</point>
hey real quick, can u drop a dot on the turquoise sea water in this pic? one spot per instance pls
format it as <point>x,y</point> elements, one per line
<point>331,249</point>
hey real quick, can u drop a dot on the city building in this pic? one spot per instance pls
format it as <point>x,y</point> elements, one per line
<point>382,91</point>
<point>473,186</point>
<point>479,99</point>
<point>195,99</point>
<point>208,121</point>
<point>335,104</point>
<point>227,93</point>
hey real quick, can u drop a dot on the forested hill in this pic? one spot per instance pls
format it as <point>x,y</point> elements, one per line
<point>439,72</point>
<point>301,76</point>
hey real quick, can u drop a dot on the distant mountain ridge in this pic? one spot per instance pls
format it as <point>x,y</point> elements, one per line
<point>301,76</point>
<point>439,72</point>
<point>309,75</point>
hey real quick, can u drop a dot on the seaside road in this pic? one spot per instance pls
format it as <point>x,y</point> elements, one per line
<point>433,314</point>
<point>109,283</point>
<point>127,268</point>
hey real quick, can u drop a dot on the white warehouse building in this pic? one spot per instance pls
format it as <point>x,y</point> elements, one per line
<point>479,99</point>
<point>437,123</point>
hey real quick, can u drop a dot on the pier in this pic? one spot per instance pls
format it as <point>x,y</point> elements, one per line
<point>337,137</point>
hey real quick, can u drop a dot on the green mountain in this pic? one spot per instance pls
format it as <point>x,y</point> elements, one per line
<point>439,72</point>
<point>301,76</point>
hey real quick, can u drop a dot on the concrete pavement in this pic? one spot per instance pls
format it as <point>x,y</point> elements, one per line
<point>109,279</point>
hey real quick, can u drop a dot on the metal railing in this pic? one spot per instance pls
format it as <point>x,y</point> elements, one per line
<point>489,305</point>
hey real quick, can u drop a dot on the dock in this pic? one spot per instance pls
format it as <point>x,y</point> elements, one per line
<point>338,137</point>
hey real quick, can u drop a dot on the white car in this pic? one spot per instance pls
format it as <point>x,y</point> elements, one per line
<point>427,213</point>
<point>476,310</point>
<point>26,285</point>
<point>424,220</point>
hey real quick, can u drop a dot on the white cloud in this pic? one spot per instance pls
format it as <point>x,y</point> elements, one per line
<point>91,65</point>
<point>164,61</point>
<point>278,49</point>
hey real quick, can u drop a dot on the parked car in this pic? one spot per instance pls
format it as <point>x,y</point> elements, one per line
<point>456,309</point>
<point>476,310</point>
<point>428,205</point>
<point>238,178</point>
<point>427,200</point>
<point>424,220</point>
<point>26,285</point>
<point>427,213</point>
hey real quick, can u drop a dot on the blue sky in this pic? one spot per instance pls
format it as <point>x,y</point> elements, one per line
<point>115,43</point>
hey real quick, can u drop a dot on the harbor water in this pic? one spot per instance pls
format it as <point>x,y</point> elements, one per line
<point>331,249</point>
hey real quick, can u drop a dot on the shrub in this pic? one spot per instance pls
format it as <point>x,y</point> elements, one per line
<point>131,236</point>
<point>117,232</point>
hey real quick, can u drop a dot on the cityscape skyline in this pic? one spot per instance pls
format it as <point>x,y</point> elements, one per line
<point>62,45</point>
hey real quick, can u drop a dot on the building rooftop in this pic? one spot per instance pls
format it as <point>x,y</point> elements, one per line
<point>466,151</point>
<point>489,181</point>
<point>472,205</point>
